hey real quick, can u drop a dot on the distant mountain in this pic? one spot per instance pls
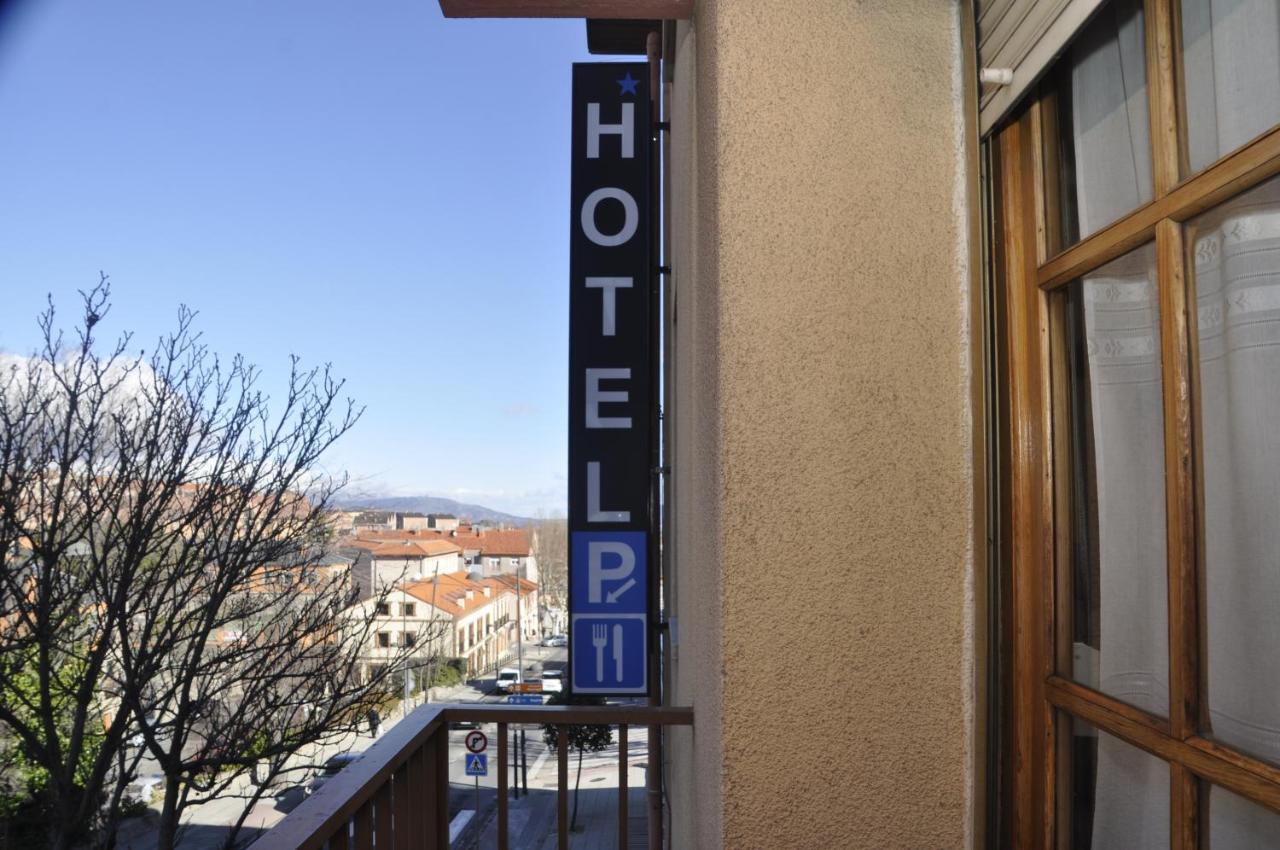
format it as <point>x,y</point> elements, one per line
<point>428,505</point>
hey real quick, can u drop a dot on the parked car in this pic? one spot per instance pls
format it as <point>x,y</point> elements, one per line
<point>556,640</point>
<point>552,681</point>
<point>507,677</point>
<point>142,789</point>
<point>331,769</point>
<point>137,739</point>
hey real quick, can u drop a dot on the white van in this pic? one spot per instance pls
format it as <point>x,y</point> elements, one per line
<point>507,677</point>
<point>552,681</point>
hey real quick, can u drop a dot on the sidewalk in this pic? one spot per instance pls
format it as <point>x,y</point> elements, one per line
<point>532,822</point>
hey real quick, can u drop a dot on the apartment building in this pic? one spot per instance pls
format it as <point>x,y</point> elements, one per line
<point>383,559</point>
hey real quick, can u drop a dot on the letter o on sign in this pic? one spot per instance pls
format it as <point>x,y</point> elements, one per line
<point>631,216</point>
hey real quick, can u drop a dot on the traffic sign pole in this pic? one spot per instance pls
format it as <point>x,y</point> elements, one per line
<point>477,818</point>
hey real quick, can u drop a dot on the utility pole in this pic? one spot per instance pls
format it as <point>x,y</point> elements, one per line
<point>519,630</point>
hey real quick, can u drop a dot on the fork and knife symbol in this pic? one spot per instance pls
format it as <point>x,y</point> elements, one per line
<point>599,640</point>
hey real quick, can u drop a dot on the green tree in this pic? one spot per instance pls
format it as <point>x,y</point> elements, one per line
<point>26,797</point>
<point>585,738</point>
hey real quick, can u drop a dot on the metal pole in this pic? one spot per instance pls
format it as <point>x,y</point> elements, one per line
<point>519,630</point>
<point>476,844</point>
<point>653,779</point>
<point>503,751</point>
<point>524,761</point>
<point>515,762</point>
<point>435,652</point>
<point>404,625</point>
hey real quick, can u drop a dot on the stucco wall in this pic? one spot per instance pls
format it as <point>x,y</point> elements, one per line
<point>823,416</point>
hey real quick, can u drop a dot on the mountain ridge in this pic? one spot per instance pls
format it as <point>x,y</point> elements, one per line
<point>428,505</point>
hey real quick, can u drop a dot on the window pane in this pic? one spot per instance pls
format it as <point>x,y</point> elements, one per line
<point>1231,68</point>
<point>1236,252</point>
<point>1103,159</point>
<point>1118,794</point>
<point>1234,823</point>
<point>1109,454</point>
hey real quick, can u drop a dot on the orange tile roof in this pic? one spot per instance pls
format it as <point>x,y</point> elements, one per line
<point>451,594</point>
<point>388,534</point>
<point>406,549</point>
<point>506,543</point>
<point>508,584</point>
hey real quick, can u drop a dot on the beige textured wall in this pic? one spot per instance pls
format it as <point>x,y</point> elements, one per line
<point>823,507</point>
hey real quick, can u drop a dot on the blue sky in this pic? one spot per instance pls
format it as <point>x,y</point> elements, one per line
<point>363,184</point>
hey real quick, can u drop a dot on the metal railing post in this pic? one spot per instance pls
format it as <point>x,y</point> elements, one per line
<point>623,764</point>
<point>502,787</point>
<point>562,787</point>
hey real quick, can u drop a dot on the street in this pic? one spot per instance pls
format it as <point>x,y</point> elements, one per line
<point>206,825</point>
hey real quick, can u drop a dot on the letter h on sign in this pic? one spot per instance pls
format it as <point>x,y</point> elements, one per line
<point>610,380</point>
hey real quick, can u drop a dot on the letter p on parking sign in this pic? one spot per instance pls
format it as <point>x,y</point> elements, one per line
<point>609,599</point>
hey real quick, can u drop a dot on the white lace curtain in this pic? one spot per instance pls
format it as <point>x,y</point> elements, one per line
<point>1232,70</point>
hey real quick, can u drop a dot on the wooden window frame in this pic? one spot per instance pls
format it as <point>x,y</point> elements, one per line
<point>1026,271</point>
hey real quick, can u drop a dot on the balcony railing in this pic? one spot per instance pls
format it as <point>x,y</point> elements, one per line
<point>396,794</point>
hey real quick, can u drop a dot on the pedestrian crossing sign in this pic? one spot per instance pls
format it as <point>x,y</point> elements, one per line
<point>477,764</point>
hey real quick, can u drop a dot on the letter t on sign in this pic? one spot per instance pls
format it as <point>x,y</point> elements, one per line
<point>609,305</point>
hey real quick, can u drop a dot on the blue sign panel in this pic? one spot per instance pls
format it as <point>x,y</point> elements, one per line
<point>610,572</point>
<point>524,699</point>
<point>609,654</point>
<point>477,764</point>
<point>608,596</point>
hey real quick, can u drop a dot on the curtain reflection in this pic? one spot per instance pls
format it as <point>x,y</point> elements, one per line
<point>1232,67</point>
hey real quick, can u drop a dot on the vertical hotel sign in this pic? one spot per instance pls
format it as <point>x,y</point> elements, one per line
<point>610,373</point>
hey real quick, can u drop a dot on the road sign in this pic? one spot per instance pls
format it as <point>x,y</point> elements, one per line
<point>477,764</point>
<point>476,741</point>
<point>524,699</point>
<point>609,654</point>
<point>526,688</point>
<point>609,596</point>
<point>612,383</point>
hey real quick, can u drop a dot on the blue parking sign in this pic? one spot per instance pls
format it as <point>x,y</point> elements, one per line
<point>610,571</point>
<point>609,601</point>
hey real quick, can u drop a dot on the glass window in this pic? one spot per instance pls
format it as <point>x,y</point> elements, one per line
<point>1118,795</point>
<point>1109,452</point>
<point>1100,124</point>
<point>1236,260</point>
<point>1231,74</point>
<point>1234,823</point>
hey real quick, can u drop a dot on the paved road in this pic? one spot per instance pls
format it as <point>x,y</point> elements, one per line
<point>207,824</point>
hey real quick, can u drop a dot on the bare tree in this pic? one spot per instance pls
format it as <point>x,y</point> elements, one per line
<point>160,527</point>
<point>551,548</point>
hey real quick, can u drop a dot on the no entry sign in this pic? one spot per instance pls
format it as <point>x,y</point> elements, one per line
<point>610,380</point>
